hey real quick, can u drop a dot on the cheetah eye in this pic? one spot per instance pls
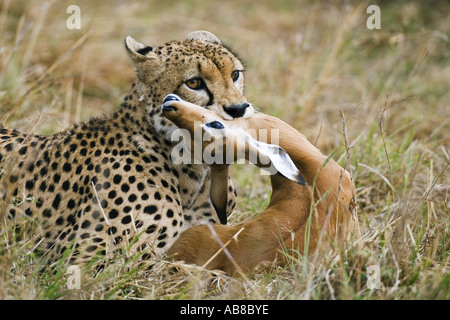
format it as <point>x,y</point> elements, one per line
<point>194,83</point>
<point>215,125</point>
<point>235,75</point>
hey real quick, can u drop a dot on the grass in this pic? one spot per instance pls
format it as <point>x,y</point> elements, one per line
<point>313,64</point>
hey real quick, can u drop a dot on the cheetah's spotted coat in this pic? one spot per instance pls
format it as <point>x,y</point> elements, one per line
<point>101,183</point>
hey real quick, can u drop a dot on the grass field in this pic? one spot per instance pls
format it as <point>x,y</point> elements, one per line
<point>379,99</point>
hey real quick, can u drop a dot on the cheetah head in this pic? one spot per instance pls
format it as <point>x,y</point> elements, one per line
<point>199,69</point>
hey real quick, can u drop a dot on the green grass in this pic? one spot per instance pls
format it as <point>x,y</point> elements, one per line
<point>313,64</point>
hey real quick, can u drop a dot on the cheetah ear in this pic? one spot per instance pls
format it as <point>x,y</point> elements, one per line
<point>137,51</point>
<point>203,35</point>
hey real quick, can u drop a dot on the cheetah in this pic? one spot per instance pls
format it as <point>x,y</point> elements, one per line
<point>110,182</point>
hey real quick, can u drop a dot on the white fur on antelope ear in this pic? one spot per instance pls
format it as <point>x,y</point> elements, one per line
<point>280,160</point>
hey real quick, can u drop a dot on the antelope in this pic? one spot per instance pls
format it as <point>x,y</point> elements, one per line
<point>311,194</point>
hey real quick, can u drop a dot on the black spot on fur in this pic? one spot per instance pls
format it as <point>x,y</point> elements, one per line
<point>144,50</point>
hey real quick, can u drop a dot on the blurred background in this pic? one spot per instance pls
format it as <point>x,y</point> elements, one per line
<point>378,98</point>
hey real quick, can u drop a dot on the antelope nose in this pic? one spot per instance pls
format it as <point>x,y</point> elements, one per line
<point>236,110</point>
<point>171,97</point>
<point>167,102</point>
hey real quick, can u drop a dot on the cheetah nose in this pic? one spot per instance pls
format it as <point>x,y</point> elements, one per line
<point>167,102</point>
<point>236,111</point>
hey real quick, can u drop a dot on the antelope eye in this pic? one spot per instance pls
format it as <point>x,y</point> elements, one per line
<point>215,125</point>
<point>235,75</point>
<point>194,83</point>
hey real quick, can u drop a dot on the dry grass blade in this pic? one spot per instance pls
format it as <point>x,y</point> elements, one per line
<point>99,204</point>
<point>42,79</point>
<point>380,175</point>
<point>223,247</point>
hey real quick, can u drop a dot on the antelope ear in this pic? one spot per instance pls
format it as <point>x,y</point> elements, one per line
<point>280,159</point>
<point>203,35</point>
<point>137,51</point>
